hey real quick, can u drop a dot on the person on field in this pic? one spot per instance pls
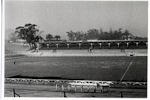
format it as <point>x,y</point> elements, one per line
<point>37,45</point>
<point>90,49</point>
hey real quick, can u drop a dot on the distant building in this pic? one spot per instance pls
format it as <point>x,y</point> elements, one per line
<point>128,37</point>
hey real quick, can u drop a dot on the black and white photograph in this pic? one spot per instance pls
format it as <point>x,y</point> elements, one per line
<point>75,49</point>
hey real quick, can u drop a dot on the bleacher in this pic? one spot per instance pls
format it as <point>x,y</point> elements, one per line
<point>100,44</point>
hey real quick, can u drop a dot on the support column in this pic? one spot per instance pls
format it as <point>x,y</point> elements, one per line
<point>118,44</point>
<point>88,88</point>
<point>91,45</point>
<point>95,89</point>
<point>100,44</point>
<point>56,87</point>
<point>62,87</point>
<point>68,88</point>
<point>137,44</point>
<point>146,44</point>
<point>102,89</point>
<point>67,45</point>
<point>57,46</point>
<point>75,88</point>
<point>109,45</point>
<point>127,44</point>
<point>47,45</point>
<point>81,88</point>
<point>79,45</point>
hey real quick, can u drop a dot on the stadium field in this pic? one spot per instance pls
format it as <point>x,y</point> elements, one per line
<point>87,68</point>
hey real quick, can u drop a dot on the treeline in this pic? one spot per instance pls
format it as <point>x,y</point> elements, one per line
<point>95,34</point>
<point>31,33</point>
<point>51,37</point>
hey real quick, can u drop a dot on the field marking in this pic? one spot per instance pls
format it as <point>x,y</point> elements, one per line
<point>126,70</point>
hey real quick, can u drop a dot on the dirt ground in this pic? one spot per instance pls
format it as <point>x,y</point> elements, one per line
<point>49,91</point>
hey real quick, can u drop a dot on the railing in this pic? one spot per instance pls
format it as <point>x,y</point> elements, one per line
<point>53,82</point>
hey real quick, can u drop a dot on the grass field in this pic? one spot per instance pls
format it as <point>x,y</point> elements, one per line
<point>105,68</point>
<point>89,68</point>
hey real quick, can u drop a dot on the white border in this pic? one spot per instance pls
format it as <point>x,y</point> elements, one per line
<point>3,44</point>
<point>148,61</point>
<point>2,52</point>
<point>76,0</point>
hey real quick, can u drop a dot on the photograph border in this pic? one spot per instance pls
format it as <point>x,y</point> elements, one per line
<point>2,52</point>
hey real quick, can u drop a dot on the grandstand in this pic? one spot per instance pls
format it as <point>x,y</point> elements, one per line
<point>99,44</point>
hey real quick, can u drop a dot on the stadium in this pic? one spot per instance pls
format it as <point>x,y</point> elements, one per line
<point>76,70</point>
<point>76,49</point>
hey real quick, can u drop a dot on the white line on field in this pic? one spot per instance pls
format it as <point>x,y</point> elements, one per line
<point>126,71</point>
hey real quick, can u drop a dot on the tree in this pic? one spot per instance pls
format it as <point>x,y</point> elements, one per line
<point>117,34</point>
<point>57,37</point>
<point>28,32</point>
<point>92,34</point>
<point>80,35</point>
<point>71,35</point>
<point>76,36</point>
<point>49,37</point>
<point>100,35</point>
<point>127,35</point>
<point>21,33</point>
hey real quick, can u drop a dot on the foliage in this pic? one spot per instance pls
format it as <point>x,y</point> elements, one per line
<point>49,37</point>
<point>99,35</point>
<point>74,36</point>
<point>57,37</point>
<point>27,32</point>
<point>30,33</point>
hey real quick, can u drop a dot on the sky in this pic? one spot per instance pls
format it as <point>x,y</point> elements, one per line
<point>59,17</point>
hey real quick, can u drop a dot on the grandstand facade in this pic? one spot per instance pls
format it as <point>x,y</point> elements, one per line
<point>99,44</point>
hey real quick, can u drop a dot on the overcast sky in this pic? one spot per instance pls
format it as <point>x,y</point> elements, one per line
<point>58,17</point>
